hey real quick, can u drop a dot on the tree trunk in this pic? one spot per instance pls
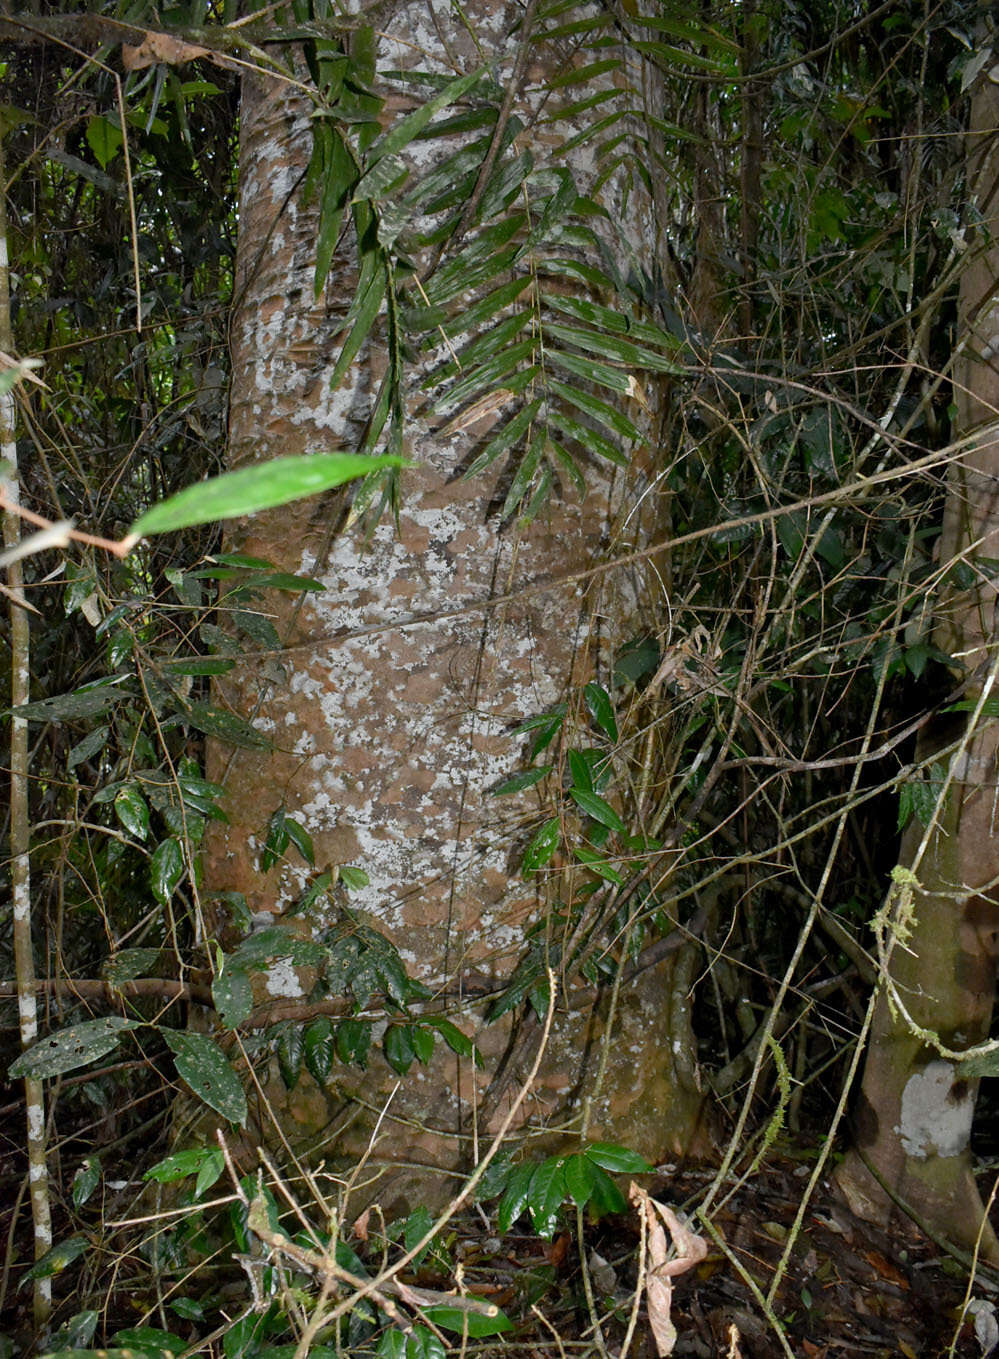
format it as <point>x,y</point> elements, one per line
<point>388,733</point>
<point>915,1110</point>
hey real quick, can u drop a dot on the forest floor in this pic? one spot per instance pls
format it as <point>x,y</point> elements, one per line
<point>850,1288</point>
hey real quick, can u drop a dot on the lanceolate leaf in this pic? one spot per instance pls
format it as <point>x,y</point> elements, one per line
<point>70,1048</point>
<point>249,489</point>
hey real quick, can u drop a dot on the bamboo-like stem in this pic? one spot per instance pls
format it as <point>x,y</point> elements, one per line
<point>20,869</point>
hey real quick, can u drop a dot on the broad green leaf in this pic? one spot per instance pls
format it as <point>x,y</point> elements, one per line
<point>353,1039</point>
<point>618,1159</point>
<point>398,1047</point>
<point>166,868</point>
<point>579,1179</point>
<point>92,743</point>
<point>104,138</point>
<point>232,993</point>
<point>291,1053</point>
<point>132,811</point>
<point>541,846</point>
<point>424,1040</point>
<point>546,1194</point>
<point>125,964</point>
<point>473,1324</point>
<point>250,489</point>
<point>319,1048</point>
<point>85,702</point>
<point>580,771</point>
<point>453,1037</point>
<point>225,726</point>
<point>70,1048</point>
<point>605,1197</point>
<point>596,807</point>
<point>514,1200</point>
<point>76,1334</point>
<point>55,1260</point>
<point>527,778</point>
<point>150,1340</point>
<point>352,878</point>
<point>204,1067</point>
<point>86,1180</point>
<point>207,1163</point>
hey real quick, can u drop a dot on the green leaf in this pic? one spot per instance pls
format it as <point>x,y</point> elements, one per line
<point>579,1179</point>
<point>85,702</point>
<point>204,1067</point>
<point>353,1039</point>
<point>104,138</point>
<point>423,1038</point>
<point>606,1197</point>
<point>514,1200</point>
<point>618,1159</point>
<point>505,439</point>
<point>207,1163</point>
<point>232,993</point>
<point>473,1324</point>
<point>225,726</point>
<point>150,1340</point>
<point>601,709</point>
<point>91,744</point>
<point>597,863</point>
<point>613,347</point>
<point>398,1047</point>
<point>55,1260</point>
<point>453,1037</point>
<point>86,1180</point>
<point>598,410</point>
<point>527,778</point>
<point>367,304</point>
<point>301,839</point>
<point>352,878</point>
<point>591,370</point>
<point>70,1048</point>
<point>261,487</point>
<point>290,1053</point>
<point>319,1048</point>
<point>541,846</point>
<point>132,811</point>
<point>597,808</point>
<point>166,868</point>
<point>545,1195</point>
<point>128,963</point>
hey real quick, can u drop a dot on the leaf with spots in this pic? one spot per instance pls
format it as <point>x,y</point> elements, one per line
<point>205,1069</point>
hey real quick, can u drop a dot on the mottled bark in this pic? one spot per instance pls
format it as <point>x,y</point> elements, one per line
<point>386,743</point>
<point>915,1111</point>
